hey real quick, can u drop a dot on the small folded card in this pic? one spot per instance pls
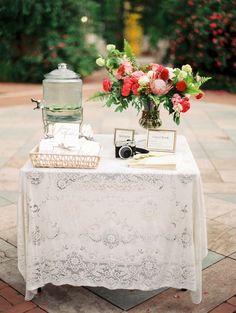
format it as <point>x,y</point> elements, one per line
<point>66,129</point>
<point>65,134</point>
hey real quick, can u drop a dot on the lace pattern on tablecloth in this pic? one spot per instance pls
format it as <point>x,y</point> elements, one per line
<point>124,230</point>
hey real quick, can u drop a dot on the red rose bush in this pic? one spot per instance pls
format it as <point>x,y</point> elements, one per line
<point>131,84</point>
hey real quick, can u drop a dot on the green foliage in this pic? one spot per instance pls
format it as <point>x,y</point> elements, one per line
<point>176,118</point>
<point>129,53</point>
<point>168,106</point>
<point>37,35</point>
<point>100,95</point>
<point>155,99</point>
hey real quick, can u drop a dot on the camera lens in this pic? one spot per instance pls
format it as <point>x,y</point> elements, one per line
<point>125,152</point>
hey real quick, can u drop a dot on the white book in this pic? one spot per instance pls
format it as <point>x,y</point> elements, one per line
<point>160,162</point>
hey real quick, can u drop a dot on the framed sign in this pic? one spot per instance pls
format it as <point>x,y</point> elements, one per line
<point>161,140</point>
<point>122,134</point>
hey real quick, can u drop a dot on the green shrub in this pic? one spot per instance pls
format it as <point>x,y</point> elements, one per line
<point>37,35</point>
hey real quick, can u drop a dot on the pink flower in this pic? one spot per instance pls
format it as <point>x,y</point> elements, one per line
<point>160,87</point>
<point>180,104</point>
<point>214,40</point>
<point>161,71</point>
<point>213,17</point>
<point>218,63</point>
<point>176,99</point>
<point>61,44</point>
<point>156,67</point>
<point>125,68</point>
<point>213,25</point>
<point>136,75</point>
<point>54,55</point>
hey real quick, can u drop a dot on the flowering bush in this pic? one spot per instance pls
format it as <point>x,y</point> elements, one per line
<point>201,32</point>
<point>139,86</point>
<point>208,32</point>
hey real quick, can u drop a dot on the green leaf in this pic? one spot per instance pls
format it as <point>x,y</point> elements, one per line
<point>192,90</point>
<point>176,118</point>
<point>119,109</point>
<point>129,53</point>
<point>101,95</point>
<point>204,79</point>
<point>109,102</point>
<point>168,104</point>
<point>155,99</point>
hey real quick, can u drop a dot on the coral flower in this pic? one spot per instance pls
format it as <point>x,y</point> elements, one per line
<point>106,85</point>
<point>135,88</point>
<point>126,88</point>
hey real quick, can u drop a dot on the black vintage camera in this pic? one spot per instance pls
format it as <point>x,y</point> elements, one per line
<point>125,149</point>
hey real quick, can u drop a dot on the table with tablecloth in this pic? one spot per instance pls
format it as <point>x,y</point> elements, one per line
<point>113,226</point>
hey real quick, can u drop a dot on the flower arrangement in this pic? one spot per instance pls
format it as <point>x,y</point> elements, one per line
<point>146,87</point>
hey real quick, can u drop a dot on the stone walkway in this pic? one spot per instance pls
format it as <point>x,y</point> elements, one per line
<point>12,301</point>
<point>211,132</point>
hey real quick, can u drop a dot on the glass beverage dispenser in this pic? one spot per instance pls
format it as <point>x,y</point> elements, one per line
<point>62,98</point>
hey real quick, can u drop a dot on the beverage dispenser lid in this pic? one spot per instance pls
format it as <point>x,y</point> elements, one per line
<point>62,73</point>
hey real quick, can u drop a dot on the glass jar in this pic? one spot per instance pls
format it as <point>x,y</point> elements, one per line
<point>62,97</point>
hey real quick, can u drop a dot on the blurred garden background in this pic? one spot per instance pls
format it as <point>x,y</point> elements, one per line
<point>37,35</point>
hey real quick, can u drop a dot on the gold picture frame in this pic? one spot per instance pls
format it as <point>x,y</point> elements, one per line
<point>123,134</point>
<point>161,140</point>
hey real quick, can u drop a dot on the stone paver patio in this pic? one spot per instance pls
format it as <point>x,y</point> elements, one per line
<point>210,128</point>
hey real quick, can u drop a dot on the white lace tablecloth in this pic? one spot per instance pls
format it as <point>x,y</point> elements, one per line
<point>113,226</point>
